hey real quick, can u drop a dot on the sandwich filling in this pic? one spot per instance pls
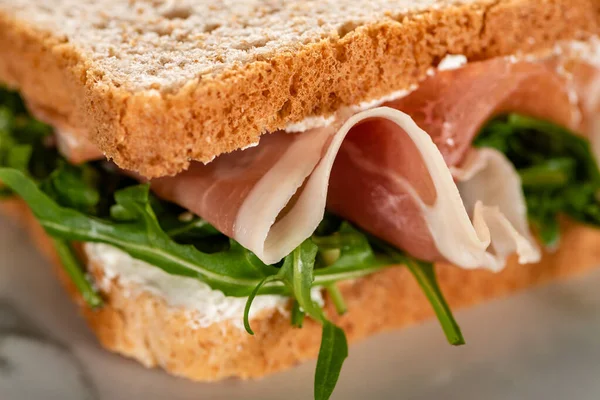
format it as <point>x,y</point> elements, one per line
<point>469,167</point>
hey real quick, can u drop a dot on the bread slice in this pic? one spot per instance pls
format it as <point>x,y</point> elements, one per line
<point>155,85</point>
<point>141,325</point>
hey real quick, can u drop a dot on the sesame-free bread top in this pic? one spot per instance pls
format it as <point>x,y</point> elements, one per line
<point>156,84</point>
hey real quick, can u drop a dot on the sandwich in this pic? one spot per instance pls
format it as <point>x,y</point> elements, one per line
<point>230,188</point>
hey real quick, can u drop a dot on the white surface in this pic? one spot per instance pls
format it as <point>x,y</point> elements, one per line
<point>542,344</point>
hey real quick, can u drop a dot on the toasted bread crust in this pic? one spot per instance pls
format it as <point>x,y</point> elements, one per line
<point>142,326</point>
<point>158,132</point>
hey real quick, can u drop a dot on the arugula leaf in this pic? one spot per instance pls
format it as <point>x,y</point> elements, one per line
<point>424,273</point>
<point>12,101</point>
<point>552,173</point>
<point>332,353</point>
<point>235,272</point>
<point>558,171</point>
<point>297,273</point>
<point>73,187</point>
<point>22,140</point>
<point>75,272</point>
<point>19,157</point>
<point>354,255</point>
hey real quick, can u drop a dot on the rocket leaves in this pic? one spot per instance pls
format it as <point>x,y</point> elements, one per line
<point>558,171</point>
<point>235,272</point>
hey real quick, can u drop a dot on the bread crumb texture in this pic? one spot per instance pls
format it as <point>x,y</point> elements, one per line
<point>139,324</point>
<point>156,84</point>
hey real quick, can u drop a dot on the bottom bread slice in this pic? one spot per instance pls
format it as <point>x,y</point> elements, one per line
<point>141,325</point>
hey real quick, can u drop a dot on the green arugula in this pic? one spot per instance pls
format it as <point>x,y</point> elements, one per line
<point>297,274</point>
<point>73,268</point>
<point>297,315</point>
<point>337,299</point>
<point>23,139</point>
<point>332,353</point>
<point>95,203</point>
<point>424,273</point>
<point>558,171</point>
<point>235,272</point>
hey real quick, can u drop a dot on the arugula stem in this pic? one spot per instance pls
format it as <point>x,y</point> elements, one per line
<point>337,298</point>
<point>251,299</point>
<point>325,276</point>
<point>73,268</point>
<point>297,317</point>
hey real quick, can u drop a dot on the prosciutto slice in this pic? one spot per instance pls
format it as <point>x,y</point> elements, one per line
<point>584,79</point>
<point>415,203</point>
<point>453,105</point>
<point>490,188</point>
<point>76,147</point>
<point>72,143</point>
<point>388,170</point>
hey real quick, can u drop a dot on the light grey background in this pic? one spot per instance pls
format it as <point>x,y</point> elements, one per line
<point>541,344</point>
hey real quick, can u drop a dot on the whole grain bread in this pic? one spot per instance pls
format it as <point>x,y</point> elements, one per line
<point>156,84</point>
<point>144,327</point>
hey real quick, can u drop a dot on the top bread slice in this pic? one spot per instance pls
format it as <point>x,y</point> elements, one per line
<point>156,84</point>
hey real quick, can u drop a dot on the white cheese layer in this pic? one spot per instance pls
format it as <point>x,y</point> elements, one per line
<point>452,61</point>
<point>204,305</point>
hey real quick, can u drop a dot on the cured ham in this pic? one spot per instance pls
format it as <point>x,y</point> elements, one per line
<point>76,147</point>
<point>245,194</point>
<point>414,202</point>
<point>388,171</point>
<point>71,143</point>
<point>490,189</point>
<point>453,105</point>
<point>581,66</point>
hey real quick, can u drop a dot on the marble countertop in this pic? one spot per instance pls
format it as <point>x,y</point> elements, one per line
<point>541,344</point>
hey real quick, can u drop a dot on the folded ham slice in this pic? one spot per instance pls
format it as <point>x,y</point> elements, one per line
<point>72,143</point>
<point>272,197</point>
<point>414,202</point>
<point>388,171</point>
<point>490,189</point>
<point>453,105</point>
<point>584,79</point>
